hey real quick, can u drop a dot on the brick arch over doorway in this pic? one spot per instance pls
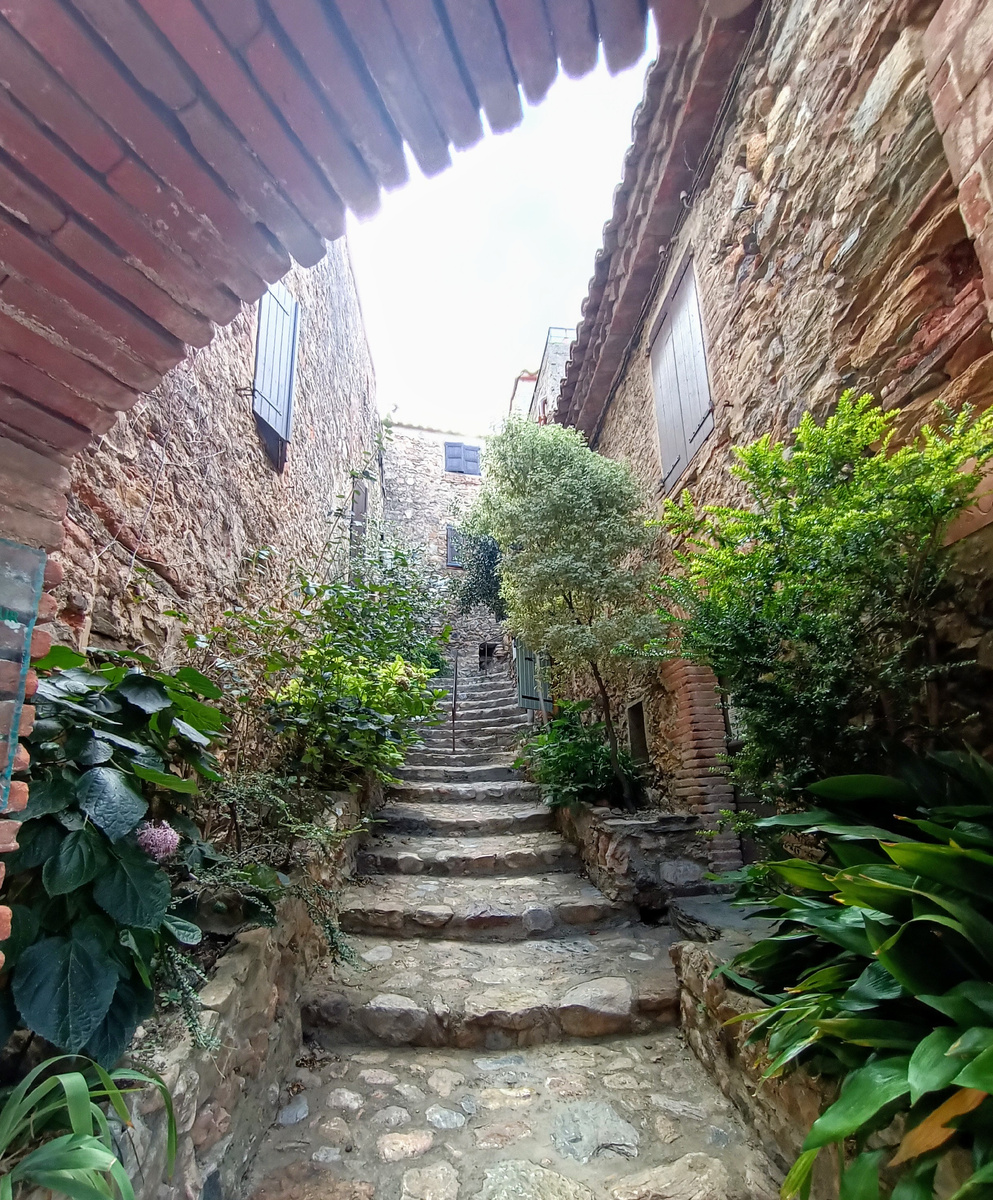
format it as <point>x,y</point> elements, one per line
<point>163,161</point>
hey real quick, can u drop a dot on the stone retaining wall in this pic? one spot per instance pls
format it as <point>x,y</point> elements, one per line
<point>781,1110</point>
<point>226,1098</point>
<point>643,860</point>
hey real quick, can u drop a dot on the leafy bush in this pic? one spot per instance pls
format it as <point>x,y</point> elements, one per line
<point>54,1132</point>
<point>361,689</point>
<point>91,903</point>
<point>479,582</point>
<point>570,761</point>
<point>881,971</point>
<point>811,601</point>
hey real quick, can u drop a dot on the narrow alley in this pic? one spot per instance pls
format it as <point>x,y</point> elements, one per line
<point>503,1030</point>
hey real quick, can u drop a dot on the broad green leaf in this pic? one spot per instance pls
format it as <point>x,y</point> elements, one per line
<point>966,870</point>
<point>37,841</point>
<point>109,800</point>
<point>133,890</point>
<point>183,931</point>
<point>203,716</point>
<point>49,795</point>
<point>143,692</point>
<point>875,984</point>
<point>802,874</point>
<point>861,1031</point>
<point>916,1183</point>
<point>79,859</point>
<point>132,1003</point>
<point>860,1179</point>
<point>931,1068</point>
<point>165,779</point>
<point>798,1180</point>
<point>59,658</point>
<point>865,1093</point>
<point>63,986</point>
<point>82,747</point>
<point>184,729</point>
<point>969,1003</point>
<point>861,787</point>
<point>199,683</point>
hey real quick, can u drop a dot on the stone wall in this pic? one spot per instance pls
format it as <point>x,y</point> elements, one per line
<point>169,508</point>
<point>781,1110</point>
<point>641,860</point>
<point>420,501</point>
<point>960,80</point>
<point>830,252</point>
<point>226,1098</point>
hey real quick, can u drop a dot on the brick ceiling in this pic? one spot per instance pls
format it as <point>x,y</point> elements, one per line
<point>161,161</point>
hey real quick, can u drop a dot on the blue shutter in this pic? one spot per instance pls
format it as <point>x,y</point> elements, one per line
<point>470,460</point>
<point>453,457</point>
<point>532,679</point>
<point>275,370</point>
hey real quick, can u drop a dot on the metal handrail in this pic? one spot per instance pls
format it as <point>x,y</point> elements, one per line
<point>455,695</point>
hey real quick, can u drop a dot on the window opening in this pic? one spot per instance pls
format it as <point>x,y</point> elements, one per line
<point>461,459</point>
<point>680,382</point>
<point>637,733</point>
<point>454,547</point>
<point>275,371</point>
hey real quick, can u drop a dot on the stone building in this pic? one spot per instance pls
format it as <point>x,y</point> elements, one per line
<point>431,478</point>
<point>195,497</point>
<point>788,225</point>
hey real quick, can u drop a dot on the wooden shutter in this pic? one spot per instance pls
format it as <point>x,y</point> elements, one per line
<point>532,691</point>
<point>453,457</point>
<point>672,441</point>
<point>470,460</point>
<point>681,383</point>
<point>691,365</point>
<point>275,370</point>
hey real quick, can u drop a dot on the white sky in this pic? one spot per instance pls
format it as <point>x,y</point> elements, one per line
<point>460,276</point>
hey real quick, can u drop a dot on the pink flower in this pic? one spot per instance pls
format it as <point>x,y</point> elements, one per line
<point>158,839</point>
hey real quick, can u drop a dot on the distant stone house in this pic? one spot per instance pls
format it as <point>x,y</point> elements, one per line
<point>788,225</point>
<point>431,478</point>
<point>257,454</point>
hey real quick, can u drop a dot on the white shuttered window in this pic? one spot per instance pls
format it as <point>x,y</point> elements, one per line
<point>680,382</point>
<point>275,369</point>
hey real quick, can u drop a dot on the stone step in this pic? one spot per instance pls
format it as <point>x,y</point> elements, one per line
<point>520,854</point>
<point>496,739</point>
<point>478,819</point>
<point>500,791</point>
<point>481,725</point>
<point>444,756</point>
<point>489,773</point>
<point>509,908</point>
<point>496,709</point>
<point>498,995</point>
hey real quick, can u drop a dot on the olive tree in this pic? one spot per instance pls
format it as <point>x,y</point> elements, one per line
<point>572,543</point>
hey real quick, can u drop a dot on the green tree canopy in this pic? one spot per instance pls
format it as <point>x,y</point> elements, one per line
<point>572,543</point>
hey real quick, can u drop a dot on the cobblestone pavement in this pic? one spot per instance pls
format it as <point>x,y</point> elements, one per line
<point>505,1031</point>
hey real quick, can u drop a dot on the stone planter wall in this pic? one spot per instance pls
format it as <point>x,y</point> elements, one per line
<point>225,1099</point>
<point>644,860</point>
<point>781,1110</point>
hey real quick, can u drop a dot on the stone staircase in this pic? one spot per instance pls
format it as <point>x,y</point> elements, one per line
<point>467,888</point>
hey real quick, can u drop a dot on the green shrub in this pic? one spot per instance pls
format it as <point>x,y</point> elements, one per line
<point>54,1132</point>
<point>881,971</point>
<point>811,602</point>
<point>570,761</point>
<point>91,900</point>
